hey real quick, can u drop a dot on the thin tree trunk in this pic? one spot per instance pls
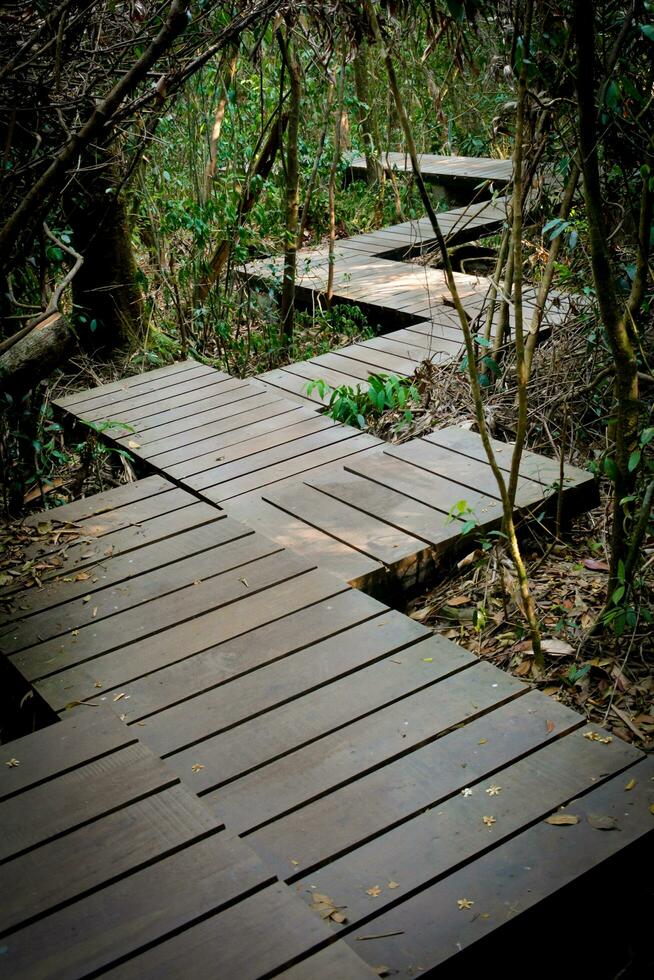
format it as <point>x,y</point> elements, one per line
<point>365,116</point>
<point>292,188</point>
<point>219,115</point>
<point>316,164</point>
<point>507,508</point>
<point>615,323</point>
<point>332,185</point>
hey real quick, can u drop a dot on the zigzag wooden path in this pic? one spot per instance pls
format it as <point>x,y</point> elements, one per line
<point>308,812</point>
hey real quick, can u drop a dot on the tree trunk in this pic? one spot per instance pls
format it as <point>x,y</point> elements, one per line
<point>34,357</point>
<point>365,117</point>
<point>106,290</point>
<point>292,189</point>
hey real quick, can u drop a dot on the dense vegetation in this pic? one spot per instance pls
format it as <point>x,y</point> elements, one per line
<point>151,149</point>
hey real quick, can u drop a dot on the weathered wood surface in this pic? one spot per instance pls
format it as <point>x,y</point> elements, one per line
<point>106,854</point>
<point>330,736</point>
<point>444,169</point>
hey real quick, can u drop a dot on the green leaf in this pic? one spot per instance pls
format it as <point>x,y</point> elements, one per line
<point>648,31</point>
<point>634,460</point>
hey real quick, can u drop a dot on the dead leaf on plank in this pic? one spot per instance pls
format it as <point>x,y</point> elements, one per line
<point>596,737</point>
<point>82,577</point>
<point>133,445</point>
<point>494,790</point>
<point>489,821</point>
<point>374,891</point>
<point>562,819</point>
<point>12,763</point>
<point>630,784</point>
<point>602,823</point>
<point>393,884</point>
<point>197,767</point>
<point>119,697</point>
<point>464,903</point>
<point>87,598</point>
<point>550,726</point>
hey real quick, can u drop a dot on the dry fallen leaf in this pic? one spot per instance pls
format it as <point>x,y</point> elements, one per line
<point>197,767</point>
<point>466,792</point>
<point>393,884</point>
<point>134,445</point>
<point>12,763</point>
<point>595,737</point>
<point>482,741</point>
<point>82,576</point>
<point>494,790</point>
<point>374,891</point>
<point>118,697</point>
<point>596,566</point>
<point>87,598</point>
<point>550,726</point>
<point>630,784</point>
<point>602,823</point>
<point>489,821</point>
<point>562,819</point>
<point>557,648</point>
<point>459,600</point>
<point>464,903</point>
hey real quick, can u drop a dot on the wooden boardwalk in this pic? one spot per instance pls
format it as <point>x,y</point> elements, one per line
<point>261,770</point>
<point>377,516</point>
<point>447,170</point>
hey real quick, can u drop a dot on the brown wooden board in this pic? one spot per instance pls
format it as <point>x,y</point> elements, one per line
<point>80,796</point>
<point>321,767</point>
<point>81,861</point>
<point>373,537</point>
<point>258,937</point>
<point>290,386</point>
<point>463,758</point>
<point>433,844</point>
<point>159,377</point>
<point>291,424</point>
<point>505,883</point>
<point>355,445</point>
<point>110,576</point>
<point>136,627</point>
<point>325,608</point>
<point>250,695</point>
<point>59,748</point>
<point>294,588</point>
<point>119,920</point>
<point>235,551</point>
<point>334,556</point>
<point>321,434</point>
<point>287,728</point>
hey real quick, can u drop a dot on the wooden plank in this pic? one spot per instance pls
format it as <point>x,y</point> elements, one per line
<point>285,729</point>
<point>178,436</point>
<point>427,488</point>
<point>249,695</point>
<point>290,386</point>
<point>314,372</point>
<point>376,538</point>
<point>129,539</point>
<point>171,372</point>
<point>319,613</point>
<point>187,639</point>
<point>112,571</point>
<point>142,418</point>
<point>111,406</point>
<point>410,853</point>
<point>417,346</point>
<point>469,474</point>
<point>139,626</point>
<point>68,867</point>
<point>539,468</point>
<point>60,748</point>
<point>213,450</point>
<point>466,757</point>
<point>331,962</point>
<point>374,361</point>
<point>321,433</point>
<point>384,504</point>
<point>77,619</point>
<point>333,556</point>
<point>119,920</point>
<point>258,937</point>
<point>79,796</point>
<point>512,879</point>
<point>106,500</point>
<point>342,449</point>
<point>321,767</point>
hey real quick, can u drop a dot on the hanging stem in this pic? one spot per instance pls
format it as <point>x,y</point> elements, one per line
<point>507,503</point>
